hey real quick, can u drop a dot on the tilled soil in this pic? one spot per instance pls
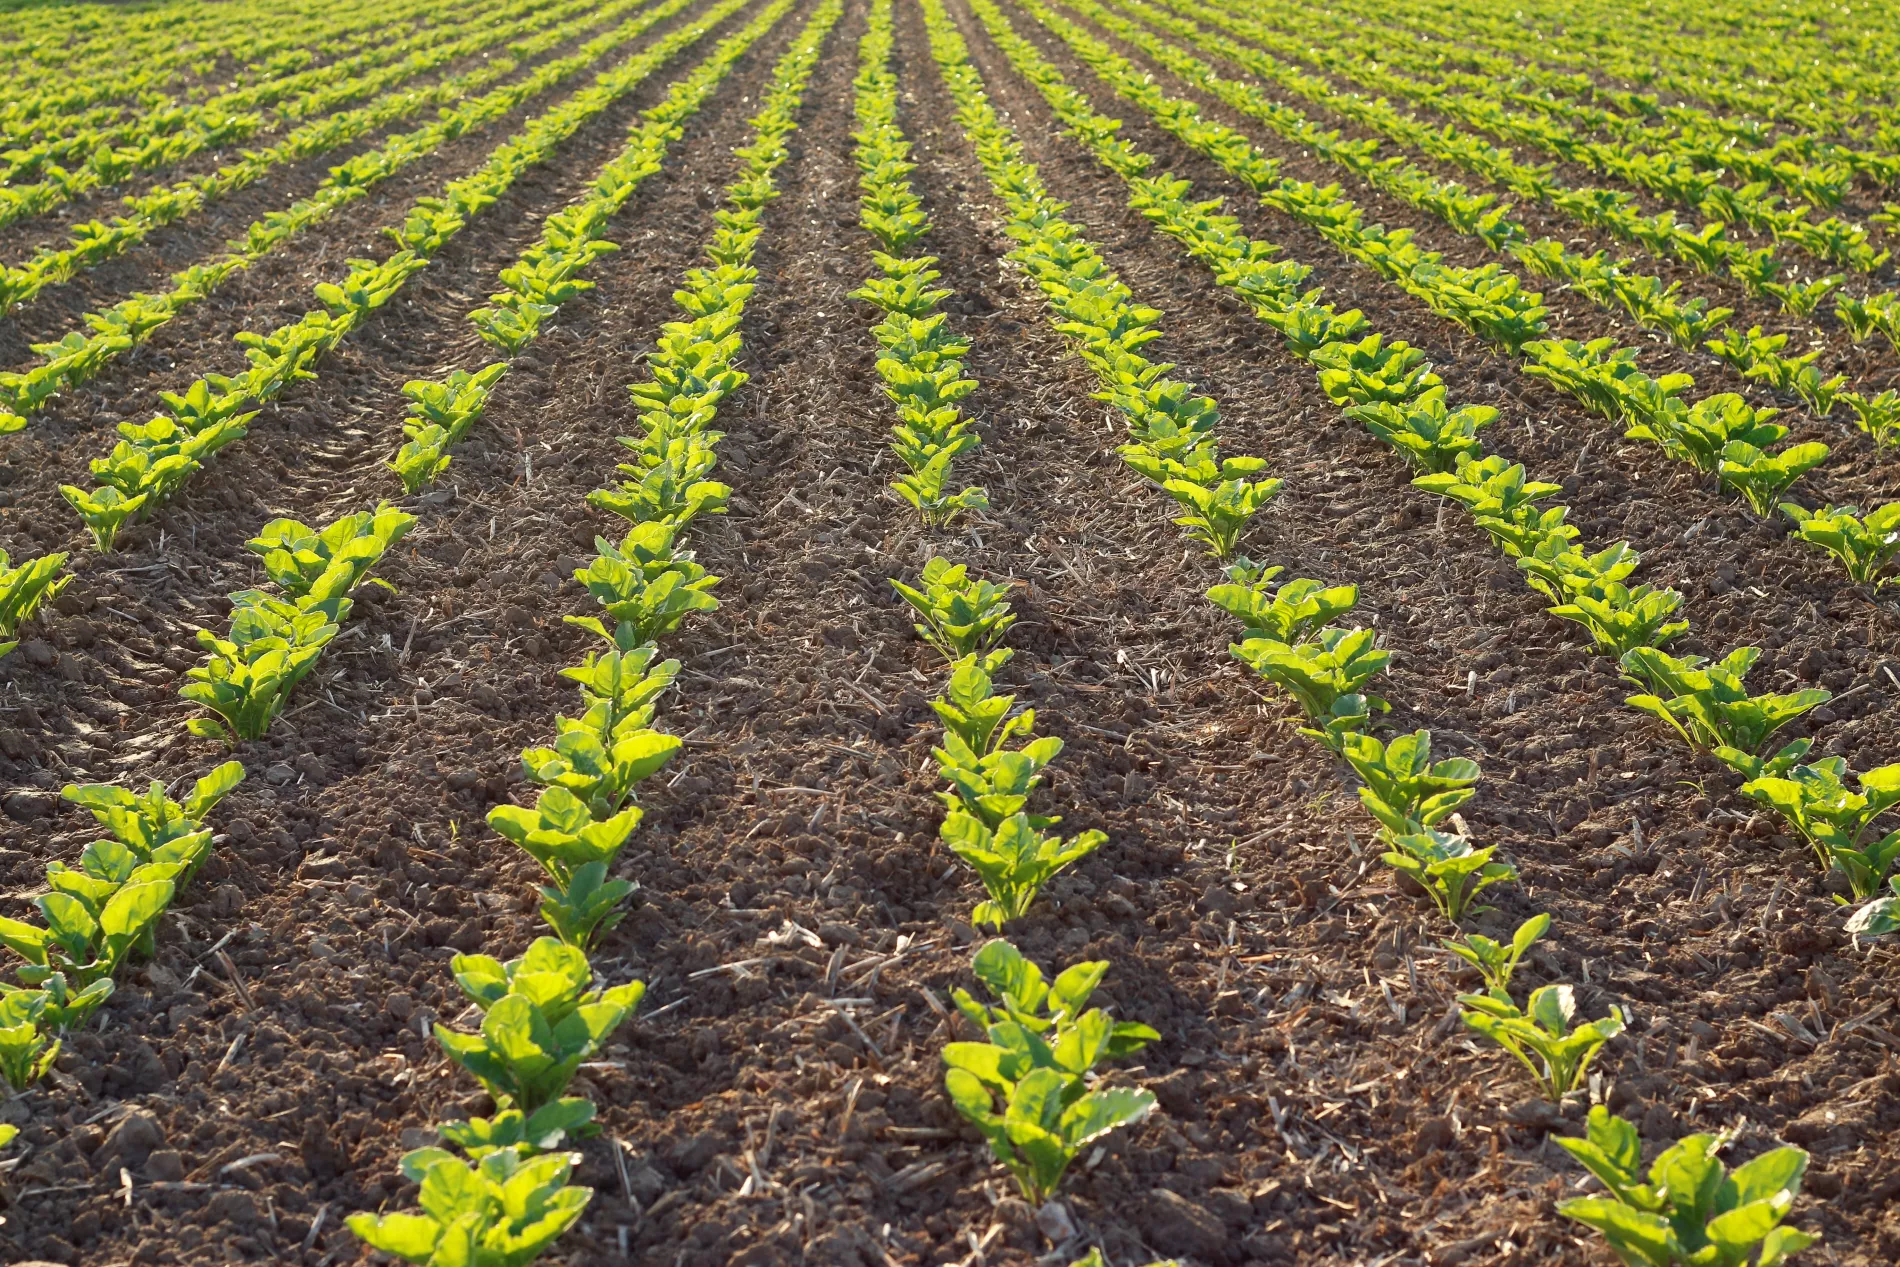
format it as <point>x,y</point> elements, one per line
<point>799,926</point>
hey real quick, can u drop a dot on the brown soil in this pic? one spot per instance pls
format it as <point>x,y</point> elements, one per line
<point>780,1099</point>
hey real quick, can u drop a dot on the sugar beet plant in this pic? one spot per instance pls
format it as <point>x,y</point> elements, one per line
<point>275,639</point>
<point>1290,642</point>
<point>542,1015</point>
<point>987,823</point>
<point>1688,1208</point>
<point>99,915</point>
<point>920,365</point>
<point>1030,1088</point>
<point>510,1198</point>
<point>24,589</point>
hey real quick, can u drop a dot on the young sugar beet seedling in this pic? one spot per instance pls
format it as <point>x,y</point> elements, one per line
<point>986,825</point>
<point>1450,870</point>
<point>440,414</point>
<point>1502,502</point>
<point>1495,961</point>
<point>1042,1048</point>
<point>1864,546</point>
<point>1880,916</point>
<point>1835,821</point>
<point>275,642</point>
<point>1541,1035</point>
<point>106,909</point>
<point>540,1020</point>
<point>1691,1212</point>
<point>1326,675</point>
<point>1404,788</point>
<point>500,1211</point>
<point>1589,589</point>
<point>646,586</point>
<point>24,590</point>
<point>1292,613</point>
<point>963,616</point>
<point>1711,709</point>
<point>526,1134</point>
<point>576,850</point>
<point>1425,432</point>
<point>27,1050</point>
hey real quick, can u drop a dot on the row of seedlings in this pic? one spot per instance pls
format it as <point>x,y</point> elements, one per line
<point>96,241</point>
<point>921,362</point>
<point>1723,68</point>
<point>541,1016</point>
<point>1031,1087</point>
<point>391,63</point>
<point>1710,247</point>
<point>107,909</point>
<point>59,77</point>
<point>1390,389</point>
<point>547,274</point>
<point>154,459</point>
<point>1811,166</point>
<point>1720,434</point>
<point>1325,668</point>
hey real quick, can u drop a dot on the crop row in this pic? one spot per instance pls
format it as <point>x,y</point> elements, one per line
<point>129,141</point>
<point>1323,667</point>
<point>548,274</point>
<point>541,1015</point>
<point>273,641</point>
<point>1719,435</point>
<point>1810,168</point>
<point>1706,249</point>
<point>129,323</point>
<point>1037,1086</point>
<point>921,366</point>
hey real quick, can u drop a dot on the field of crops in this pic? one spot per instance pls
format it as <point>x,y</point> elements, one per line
<point>895,632</point>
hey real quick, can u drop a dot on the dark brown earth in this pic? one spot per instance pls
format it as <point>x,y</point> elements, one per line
<point>779,1099</point>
